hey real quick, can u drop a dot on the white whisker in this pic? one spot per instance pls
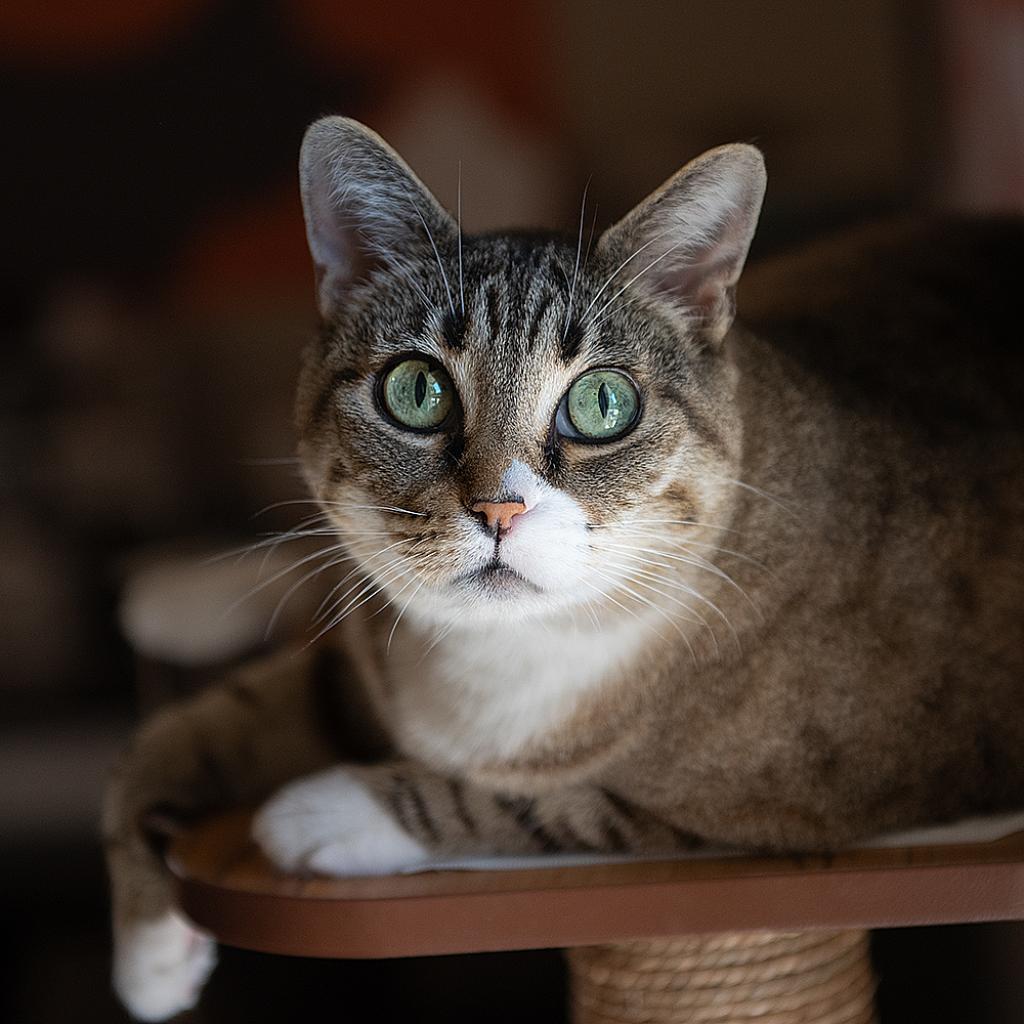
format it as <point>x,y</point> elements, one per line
<point>398,617</point>
<point>693,615</point>
<point>687,544</point>
<point>636,277</point>
<point>618,604</point>
<point>462,291</point>
<point>378,508</point>
<point>362,561</point>
<point>590,239</point>
<point>367,572</point>
<point>305,528</point>
<point>321,553</point>
<point>640,599</point>
<point>666,522</point>
<point>282,504</point>
<point>588,607</point>
<point>661,611</point>
<point>321,611</point>
<point>437,256</point>
<point>633,570</point>
<point>415,576</point>
<point>375,587</point>
<point>269,541</point>
<point>439,636</point>
<point>286,596</point>
<point>758,491</point>
<point>697,562</point>
<point>616,271</point>
<point>678,584</point>
<point>576,269</point>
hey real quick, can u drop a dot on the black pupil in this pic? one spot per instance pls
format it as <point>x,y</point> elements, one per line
<point>421,388</point>
<point>602,399</point>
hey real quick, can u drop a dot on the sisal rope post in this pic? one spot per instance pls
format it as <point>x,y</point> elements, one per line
<point>763,977</point>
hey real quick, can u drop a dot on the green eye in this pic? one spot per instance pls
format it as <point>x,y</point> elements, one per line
<point>418,395</point>
<point>602,404</point>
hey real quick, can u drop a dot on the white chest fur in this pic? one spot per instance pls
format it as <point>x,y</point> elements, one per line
<point>486,695</point>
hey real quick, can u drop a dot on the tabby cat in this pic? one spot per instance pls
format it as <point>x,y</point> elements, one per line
<point>623,575</point>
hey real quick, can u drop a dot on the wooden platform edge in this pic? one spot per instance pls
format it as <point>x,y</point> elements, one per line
<point>533,918</point>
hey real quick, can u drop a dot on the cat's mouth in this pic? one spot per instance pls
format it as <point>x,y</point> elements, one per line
<point>498,577</point>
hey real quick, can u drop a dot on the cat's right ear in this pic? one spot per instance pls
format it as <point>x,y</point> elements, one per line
<point>363,205</point>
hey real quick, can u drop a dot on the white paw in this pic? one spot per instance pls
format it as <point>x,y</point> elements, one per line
<point>160,965</point>
<point>329,823</point>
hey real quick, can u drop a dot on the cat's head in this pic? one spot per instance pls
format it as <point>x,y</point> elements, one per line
<point>506,426</point>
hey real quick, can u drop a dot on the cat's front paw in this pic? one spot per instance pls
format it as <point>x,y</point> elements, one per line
<point>330,824</point>
<point>160,965</point>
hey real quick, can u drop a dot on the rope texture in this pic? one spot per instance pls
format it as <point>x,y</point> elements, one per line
<point>735,978</point>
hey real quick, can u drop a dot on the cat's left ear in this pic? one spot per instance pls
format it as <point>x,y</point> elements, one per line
<point>690,237</point>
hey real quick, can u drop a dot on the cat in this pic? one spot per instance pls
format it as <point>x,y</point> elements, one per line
<point>629,575</point>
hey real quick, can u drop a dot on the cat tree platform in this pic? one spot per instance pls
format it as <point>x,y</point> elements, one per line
<point>778,940</point>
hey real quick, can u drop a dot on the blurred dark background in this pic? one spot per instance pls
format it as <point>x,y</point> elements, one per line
<point>155,294</point>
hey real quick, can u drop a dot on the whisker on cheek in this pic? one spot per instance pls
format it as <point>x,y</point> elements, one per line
<point>281,573</point>
<point>667,522</point>
<point>687,544</point>
<point>693,616</point>
<point>283,600</point>
<point>630,553</point>
<point>646,602</point>
<point>438,638</point>
<point>370,591</point>
<point>366,572</point>
<point>377,508</point>
<point>398,617</point>
<point>629,611</point>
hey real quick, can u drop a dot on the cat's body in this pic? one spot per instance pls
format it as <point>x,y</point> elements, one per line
<point>803,556</point>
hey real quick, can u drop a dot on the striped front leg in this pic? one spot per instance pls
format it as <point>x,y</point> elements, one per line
<point>400,815</point>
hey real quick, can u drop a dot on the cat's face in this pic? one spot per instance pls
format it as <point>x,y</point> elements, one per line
<point>507,427</point>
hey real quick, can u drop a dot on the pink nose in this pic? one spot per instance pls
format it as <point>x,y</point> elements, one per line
<point>499,514</point>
